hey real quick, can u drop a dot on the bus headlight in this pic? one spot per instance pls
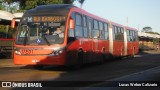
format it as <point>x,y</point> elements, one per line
<point>57,51</point>
<point>18,52</point>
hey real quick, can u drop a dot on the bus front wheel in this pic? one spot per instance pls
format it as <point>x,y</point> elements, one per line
<point>39,67</point>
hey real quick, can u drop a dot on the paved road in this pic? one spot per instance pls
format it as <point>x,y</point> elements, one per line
<point>111,70</point>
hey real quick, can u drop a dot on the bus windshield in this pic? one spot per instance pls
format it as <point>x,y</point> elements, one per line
<point>41,30</point>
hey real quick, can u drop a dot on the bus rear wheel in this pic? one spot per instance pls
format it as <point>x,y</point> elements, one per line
<point>134,52</point>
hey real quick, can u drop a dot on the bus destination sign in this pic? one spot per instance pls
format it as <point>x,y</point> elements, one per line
<point>45,18</point>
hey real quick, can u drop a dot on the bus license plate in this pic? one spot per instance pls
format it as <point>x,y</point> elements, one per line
<point>26,51</point>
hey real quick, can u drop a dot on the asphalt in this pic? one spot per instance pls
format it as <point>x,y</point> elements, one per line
<point>150,76</point>
<point>4,63</point>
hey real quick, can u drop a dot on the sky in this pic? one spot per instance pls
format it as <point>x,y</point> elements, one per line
<point>138,13</point>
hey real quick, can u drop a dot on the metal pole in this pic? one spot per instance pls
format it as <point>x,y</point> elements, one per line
<point>12,51</point>
<point>127,21</point>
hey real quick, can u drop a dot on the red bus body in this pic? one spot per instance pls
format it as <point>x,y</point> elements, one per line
<point>70,52</point>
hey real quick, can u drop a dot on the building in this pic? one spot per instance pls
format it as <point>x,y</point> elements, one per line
<point>5,22</point>
<point>148,41</point>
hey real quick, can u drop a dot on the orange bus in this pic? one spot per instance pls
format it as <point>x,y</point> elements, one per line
<point>66,35</point>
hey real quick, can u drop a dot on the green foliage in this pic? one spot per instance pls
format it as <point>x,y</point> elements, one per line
<point>3,28</point>
<point>6,32</point>
<point>54,2</point>
<point>147,29</point>
<point>29,4</point>
<point>156,40</point>
<point>68,1</point>
<point>9,5</point>
<point>1,1</point>
<point>2,6</point>
<point>11,33</point>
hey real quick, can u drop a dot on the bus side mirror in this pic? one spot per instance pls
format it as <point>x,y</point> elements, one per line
<point>71,24</point>
<point>13,23</point>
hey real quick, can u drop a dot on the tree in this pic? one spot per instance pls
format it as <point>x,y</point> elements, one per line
<point>29,4</point>
<point>9,5</point>
<point>155,40</point>
<point>147,29</point>
<point>81,2</point>
<point>68,1</point>
<point>1,7</point>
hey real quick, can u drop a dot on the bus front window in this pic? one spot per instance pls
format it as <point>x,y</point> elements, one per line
<point>41,33</point>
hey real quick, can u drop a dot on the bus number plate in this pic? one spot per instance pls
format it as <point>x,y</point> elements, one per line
<point>26,51</point>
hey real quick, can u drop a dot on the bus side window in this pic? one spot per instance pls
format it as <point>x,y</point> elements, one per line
<point>106,31</point>
<point>90,27</point>
<point>101,28</point>
<point>131,35</point>
<point>71,32</point>
<point>128,35</point>
<point>96,30</point>
<point>78,27</point>
<point>85,27</point>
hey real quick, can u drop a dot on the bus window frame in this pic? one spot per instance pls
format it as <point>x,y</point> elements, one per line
<point>71,32</point>
<point>106,30</point>
<point>90,27</point>
<point>81,26</point>
<point>102,30</point>
<point>84,24</point>
<point>95,29</point>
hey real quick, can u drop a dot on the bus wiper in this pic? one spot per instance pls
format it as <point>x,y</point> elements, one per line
<point>25,39</point>
<point>46,40</point>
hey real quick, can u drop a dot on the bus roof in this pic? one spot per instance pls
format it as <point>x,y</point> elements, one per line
<point>116,24</point>
<point>130,28</point>
<point>59,9</point>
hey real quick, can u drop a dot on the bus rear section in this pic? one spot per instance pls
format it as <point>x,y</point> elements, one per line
<point>132,41</point>
<point>118,40</point>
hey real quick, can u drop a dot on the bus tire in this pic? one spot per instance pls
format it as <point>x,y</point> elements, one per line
<point>80,58</point>
<point>103,58</point>
<point>134,52</point>
<point>38,67</point>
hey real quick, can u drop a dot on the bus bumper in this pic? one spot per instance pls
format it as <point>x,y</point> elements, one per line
<point>39,60</point>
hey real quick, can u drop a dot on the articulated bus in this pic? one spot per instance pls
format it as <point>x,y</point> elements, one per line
<point>67,35</point>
